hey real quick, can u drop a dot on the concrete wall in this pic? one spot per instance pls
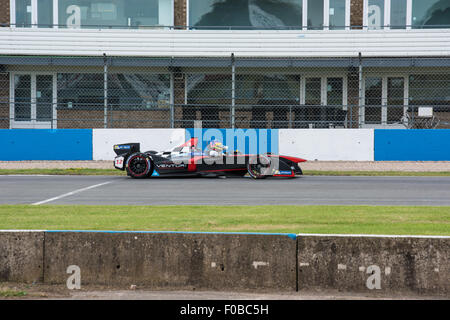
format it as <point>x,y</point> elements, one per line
<point>150,139</point>
<point>175,260</point>
<point>21,256</point>
<point>249,141</point>
<point>412,145</point>
<point>231,261</point>
<point>353,263</point>
<point>328,144</point>
<point>45,144</point>
<point>310,144</point>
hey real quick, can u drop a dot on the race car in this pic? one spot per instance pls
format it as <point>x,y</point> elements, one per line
<point>215,161</point>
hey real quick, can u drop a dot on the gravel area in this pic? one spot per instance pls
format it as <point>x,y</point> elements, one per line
<point>407,166</point>
<point>40,291</point>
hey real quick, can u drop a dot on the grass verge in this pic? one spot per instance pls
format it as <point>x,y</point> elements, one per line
<point>8,293</point>
<point>395,220</point>
<point>378,173</point>
<point>114,172</point>
<point>71,171</point>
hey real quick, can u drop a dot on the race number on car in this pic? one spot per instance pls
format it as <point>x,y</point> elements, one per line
<point>118,162</point>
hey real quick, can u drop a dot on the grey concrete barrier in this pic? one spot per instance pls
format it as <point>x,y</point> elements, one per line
<point>173,260</point>
<point>21,256</point>
<point>386,264</point>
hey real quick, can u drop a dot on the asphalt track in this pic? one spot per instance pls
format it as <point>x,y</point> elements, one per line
<point>306,190</point>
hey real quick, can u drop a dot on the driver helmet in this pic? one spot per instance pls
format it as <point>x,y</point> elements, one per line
<point>216,145</point>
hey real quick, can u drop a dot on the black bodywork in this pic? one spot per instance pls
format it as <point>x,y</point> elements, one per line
<point>187,161</point>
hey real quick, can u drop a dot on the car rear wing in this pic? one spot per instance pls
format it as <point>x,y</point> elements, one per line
<point>125,148</point>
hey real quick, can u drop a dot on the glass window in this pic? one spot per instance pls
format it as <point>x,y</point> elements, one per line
<point>375,14</point>
<point>337,14</point>
<point>373,99</point>
<point>23,13</point>
<point>22,97</point>
<point>125,91</point>
<point>315,14</point>
<point>429,89</point>
<point>398,14</point>
<point>133,13</point>
<point>313,91</point>
<point>209,88</point>
<point>245,13</point>
<point>80,90</point>
<point>44,97</point>
<point>139,91</point>
<point>430,13</point>
<point>267,89</point>
<point>335,91</point>
<point>395,98</point>
<point>45,13</point>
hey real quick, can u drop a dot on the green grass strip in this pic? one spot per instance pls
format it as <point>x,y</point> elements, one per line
<point>114,172</point>
<point>71,171</point>
<point>392,220</point>
<point>6,293</point>
<point>378,173</point>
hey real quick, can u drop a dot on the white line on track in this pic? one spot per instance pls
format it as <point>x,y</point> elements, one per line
<point>71,193</point>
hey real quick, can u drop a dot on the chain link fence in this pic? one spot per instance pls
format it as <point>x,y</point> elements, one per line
<point>131,92</point>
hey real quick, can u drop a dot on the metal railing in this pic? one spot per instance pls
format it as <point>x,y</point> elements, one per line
<point>225,93</point>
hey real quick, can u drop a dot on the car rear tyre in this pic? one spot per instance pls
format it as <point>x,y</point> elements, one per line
<point>259,167</point>
<point>139,166</point>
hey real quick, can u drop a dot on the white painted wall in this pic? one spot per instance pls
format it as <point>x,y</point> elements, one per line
<point>328,144</point>
<point>150,139</point>
<point>221,43</point>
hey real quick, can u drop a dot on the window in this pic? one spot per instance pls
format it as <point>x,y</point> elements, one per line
<point>375,14</point>
<point>315,14</point>
<point>254,14</point>
<point>267,89</point>
<point>115,13</point>
<point>138,91</point>
<point>87,13</point>
<point>313,91</point>
<point>401,14</point>
<point>125,91</point>
<point>80,90</point>
<point>395,98</point>
<point>32,100</point>
<point>33,13</point>
<point>23,13</point>
<point>335,91</point>
<point>245,13</point>
<point>373,99</point>
<point>398,14</point>
<point>337,14</point>
<point>22,97</point>
<point>429,89</point>
<point>430,13</point>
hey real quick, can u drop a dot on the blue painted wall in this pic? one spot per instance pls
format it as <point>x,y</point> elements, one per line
<point>412,145</point>
<point>45,144</point>
<point>250,141</point>
<point>76,144</point>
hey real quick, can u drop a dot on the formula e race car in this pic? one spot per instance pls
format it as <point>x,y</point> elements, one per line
<point>188,160</point>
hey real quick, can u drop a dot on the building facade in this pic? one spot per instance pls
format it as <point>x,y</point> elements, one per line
<point>227,63</point>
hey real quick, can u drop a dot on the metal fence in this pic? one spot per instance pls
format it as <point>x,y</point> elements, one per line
<point>228,92</point>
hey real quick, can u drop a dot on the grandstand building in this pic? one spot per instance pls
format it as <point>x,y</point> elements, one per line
<point>226,63</point>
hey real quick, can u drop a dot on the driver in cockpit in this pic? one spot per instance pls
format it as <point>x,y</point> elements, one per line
<point>216,149</point>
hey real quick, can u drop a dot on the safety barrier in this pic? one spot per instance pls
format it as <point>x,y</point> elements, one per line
<point>45,144</point>
<point>310,144</point>
<point>412,145</point>
<point>229,261</point>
